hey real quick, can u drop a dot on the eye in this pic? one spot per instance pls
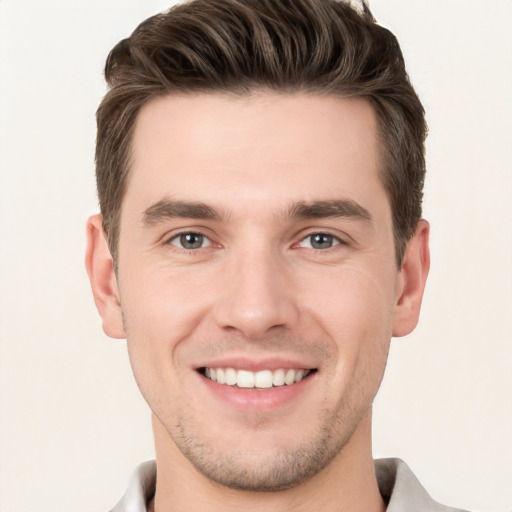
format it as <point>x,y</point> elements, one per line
<point>190,241</point>
<point>319,241</point>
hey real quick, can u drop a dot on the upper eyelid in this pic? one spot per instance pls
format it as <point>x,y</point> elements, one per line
<point>339,241</point>
<point>343,237</point>
<point>174,233</point>
<point>168,242</point>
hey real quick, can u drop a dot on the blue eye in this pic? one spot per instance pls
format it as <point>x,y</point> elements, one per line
<point>190,241</point>
<point>319,241</point>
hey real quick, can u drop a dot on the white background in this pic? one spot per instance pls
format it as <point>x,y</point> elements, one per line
<point>73,425</point>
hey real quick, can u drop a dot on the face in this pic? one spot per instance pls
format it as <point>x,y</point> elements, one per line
<point>257,280</point>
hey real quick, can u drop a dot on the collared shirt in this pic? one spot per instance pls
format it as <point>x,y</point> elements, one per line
<point>398,486</point>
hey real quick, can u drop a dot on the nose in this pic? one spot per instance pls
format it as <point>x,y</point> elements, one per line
<point>257,295</point>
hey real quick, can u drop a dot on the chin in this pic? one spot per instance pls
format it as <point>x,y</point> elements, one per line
<point>267,467</point>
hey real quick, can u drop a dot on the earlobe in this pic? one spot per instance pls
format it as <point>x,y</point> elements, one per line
<point>411,281</point>
<point>100,268</point>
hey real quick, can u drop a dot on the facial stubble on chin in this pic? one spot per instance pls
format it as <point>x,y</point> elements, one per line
<point>276,470</point>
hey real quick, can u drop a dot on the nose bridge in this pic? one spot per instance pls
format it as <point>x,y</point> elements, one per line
<point>257,296</point>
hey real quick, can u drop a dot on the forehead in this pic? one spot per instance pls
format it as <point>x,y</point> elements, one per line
<point>259,147</point>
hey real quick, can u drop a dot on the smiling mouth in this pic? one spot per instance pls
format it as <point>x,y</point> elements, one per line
<point>263,379</point>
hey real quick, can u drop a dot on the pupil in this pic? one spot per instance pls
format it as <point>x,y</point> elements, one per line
<point>321,241</point>
<point>191,240</point>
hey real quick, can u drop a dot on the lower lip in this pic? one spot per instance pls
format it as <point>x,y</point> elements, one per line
<point>258,399</point>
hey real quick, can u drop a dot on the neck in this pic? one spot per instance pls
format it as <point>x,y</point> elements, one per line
<point>347,483</point>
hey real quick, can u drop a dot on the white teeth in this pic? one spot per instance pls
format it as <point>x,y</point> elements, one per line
<point>299,375</point>
<point>221,378</point>
<point>231,376</point>
<point>289,378</point>
<point>245,379</point>
<point>278,378</point>
<point>263,379</point>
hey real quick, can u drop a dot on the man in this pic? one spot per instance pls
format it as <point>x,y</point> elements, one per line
<point>260,166</point>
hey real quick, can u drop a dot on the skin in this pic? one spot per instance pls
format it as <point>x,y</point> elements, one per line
<point>256,293</point>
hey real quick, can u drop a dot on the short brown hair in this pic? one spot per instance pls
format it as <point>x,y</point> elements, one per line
<point>238,46</point>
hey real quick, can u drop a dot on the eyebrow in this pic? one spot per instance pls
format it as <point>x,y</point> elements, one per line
<point>332,208</point>
<point>300,210</point>
<point>169,209</point>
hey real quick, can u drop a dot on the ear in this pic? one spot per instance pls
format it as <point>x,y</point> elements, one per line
<point>100,268</point>
<point>411,281</point>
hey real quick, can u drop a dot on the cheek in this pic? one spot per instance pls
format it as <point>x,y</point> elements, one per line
<point>355,308</point>
<point>160,310</point>
<point>164,302</point>
<point>354,300</point>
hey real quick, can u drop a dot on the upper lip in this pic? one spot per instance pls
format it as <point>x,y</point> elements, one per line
<point>255,365</point>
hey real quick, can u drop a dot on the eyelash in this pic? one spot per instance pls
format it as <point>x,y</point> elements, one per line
<point>336,240</point>
<point>180,236</point>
